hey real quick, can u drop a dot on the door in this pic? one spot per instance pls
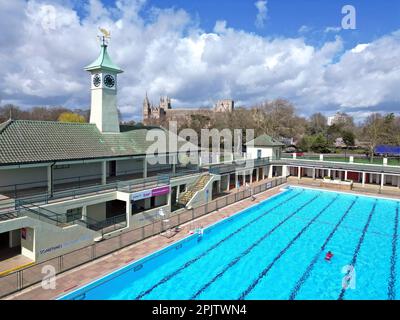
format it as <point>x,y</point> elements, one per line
<point>113,168</point>
<point>4,240</point>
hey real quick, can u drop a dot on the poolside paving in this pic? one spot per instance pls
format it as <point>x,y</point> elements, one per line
<point>86,273</point>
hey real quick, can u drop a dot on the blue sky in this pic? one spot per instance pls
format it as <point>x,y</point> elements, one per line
<point>285,17</point>
<point>199,51</point>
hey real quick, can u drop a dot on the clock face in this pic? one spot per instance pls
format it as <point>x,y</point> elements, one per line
<point>109,81</point>
<point>96,80</point>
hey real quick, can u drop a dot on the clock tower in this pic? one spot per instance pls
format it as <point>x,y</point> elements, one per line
<point>103,110</point>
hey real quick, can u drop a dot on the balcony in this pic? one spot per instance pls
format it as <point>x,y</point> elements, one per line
<point>77,187</point>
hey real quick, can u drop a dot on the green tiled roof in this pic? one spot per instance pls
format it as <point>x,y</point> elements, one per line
<point>26,141</point>
<point>103,62</point>
<point>264,141</point>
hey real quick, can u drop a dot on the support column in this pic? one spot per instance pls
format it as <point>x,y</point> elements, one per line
<point>129,211</point>
<point>363,179</point>
<point>258,174</point>
<point>104,172</point>
<point>313,174</point>
<point>177,192</point>
<point>50,180</point>
<point>382,180</point>
<point>329,173</point>
<point>251,176</point>
<point>270,171</point>
<point>174,164</point>
<point>228,182</point>
<point>299,173</point>
<point>84,213</point>
<point>236,179</point>
<point>284,171</point>
<point>345,175</point>
<point>145,167</point>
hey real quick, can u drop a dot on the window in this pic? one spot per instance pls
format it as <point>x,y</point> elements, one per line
<point>74,214</point>
<point>258,153</point>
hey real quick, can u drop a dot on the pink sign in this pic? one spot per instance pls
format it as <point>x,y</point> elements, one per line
<point>160,191</point>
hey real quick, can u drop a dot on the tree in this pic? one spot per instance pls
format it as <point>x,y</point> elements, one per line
<point>348,138</point>
<point>373,131</point>
<point>320,144</point>
<point>317,124</point>
<point>71,117</point>
<point>305,143</point>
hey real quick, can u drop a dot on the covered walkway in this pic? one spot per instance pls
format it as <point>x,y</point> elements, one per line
<point>360,178</point>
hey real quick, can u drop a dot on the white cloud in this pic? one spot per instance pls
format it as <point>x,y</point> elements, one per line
<point>360,48</point>
<point>220,26</point>
<point>304,29</point>
<point>170,55</point>
<point>262,10</point>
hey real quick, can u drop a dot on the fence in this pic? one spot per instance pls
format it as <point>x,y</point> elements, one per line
<point>21,279</point>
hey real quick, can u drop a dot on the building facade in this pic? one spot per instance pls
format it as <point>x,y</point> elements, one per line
<point>164,112</point>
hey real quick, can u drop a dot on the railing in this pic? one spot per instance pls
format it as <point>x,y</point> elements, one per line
<point>126,186</point>
<point>242,164</point>
<point>29,276</point>
<point>357,158</point>
<point>351,166</point>
<point>129,186</point>
<point>81,182</point>
<point>63,220</point>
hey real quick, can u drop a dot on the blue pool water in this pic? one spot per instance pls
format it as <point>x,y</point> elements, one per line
<point>274,250</point>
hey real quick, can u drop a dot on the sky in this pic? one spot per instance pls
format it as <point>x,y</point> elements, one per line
<point>199,51</point>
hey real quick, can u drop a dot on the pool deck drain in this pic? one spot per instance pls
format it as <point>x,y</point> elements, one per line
<point>98,268</point>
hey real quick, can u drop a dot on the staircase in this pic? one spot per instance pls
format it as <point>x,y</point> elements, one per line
<point>185,197</point>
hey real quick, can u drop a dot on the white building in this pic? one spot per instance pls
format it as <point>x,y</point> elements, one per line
<point>339,117</point>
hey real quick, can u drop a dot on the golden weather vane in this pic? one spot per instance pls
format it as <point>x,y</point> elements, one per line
<point>105,37</point>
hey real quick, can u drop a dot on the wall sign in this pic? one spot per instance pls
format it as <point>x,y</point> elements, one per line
<point>150,193</point>
<point>160,191</point>
<point>141,195</point>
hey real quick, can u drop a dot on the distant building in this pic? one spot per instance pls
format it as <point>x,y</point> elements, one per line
<point>226,105</point>
<point>264,146</point>
<point>339,117</point>
<point>164,110</point>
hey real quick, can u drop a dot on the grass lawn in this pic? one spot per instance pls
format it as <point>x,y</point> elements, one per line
<point>377,160</point>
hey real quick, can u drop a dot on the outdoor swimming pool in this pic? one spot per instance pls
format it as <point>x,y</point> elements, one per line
<point>274,250</point>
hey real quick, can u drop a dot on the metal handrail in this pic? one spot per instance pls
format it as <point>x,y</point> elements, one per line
<point>64,219</point>
<point>238,165</point>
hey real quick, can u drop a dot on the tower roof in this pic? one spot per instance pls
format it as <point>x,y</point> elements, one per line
<point>103,62</point>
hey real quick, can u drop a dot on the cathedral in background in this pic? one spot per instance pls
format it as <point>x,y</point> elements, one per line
<point>164,112</point>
